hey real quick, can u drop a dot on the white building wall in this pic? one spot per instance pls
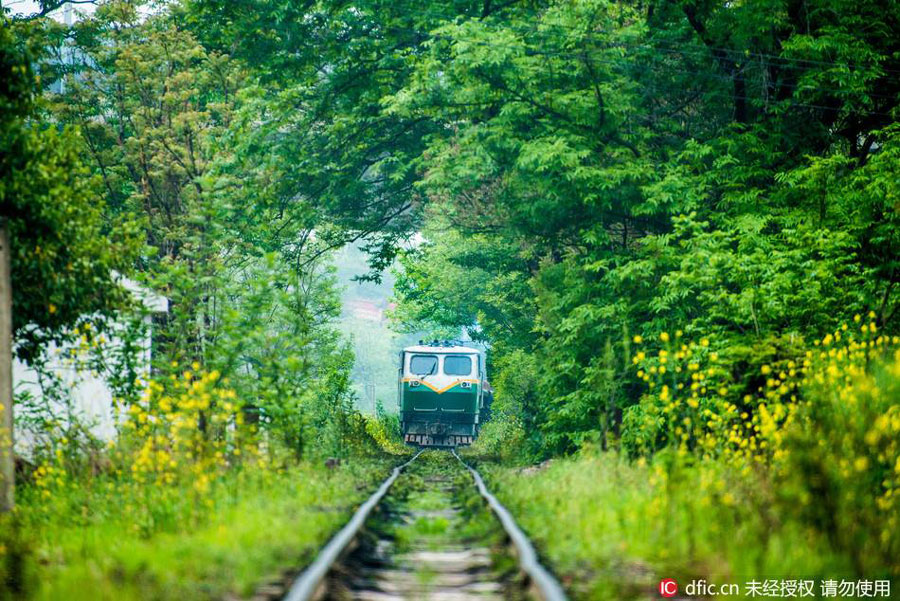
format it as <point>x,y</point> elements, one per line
<point>89,395</point>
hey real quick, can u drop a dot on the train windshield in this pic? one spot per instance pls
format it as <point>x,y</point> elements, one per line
<point>423,365</point>
<point>457,365</point>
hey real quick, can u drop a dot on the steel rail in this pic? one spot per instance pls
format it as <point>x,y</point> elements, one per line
<point>307,583</point>
<point>548,586</point>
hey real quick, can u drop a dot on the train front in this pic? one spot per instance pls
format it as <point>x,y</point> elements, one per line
<point>440,394</point>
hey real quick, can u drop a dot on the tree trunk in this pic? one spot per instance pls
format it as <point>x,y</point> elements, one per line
<point>7,461</point>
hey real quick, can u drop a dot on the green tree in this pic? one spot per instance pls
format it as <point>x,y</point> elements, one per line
<point>177,133</point>
<point>62,256</point>
<point>151,103</point>
<point>690,165</point>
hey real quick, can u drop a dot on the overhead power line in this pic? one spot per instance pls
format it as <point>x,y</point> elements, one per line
<point>735,54</point>
<point>604,58</point>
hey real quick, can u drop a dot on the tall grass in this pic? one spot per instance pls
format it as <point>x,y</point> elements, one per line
<point>188,502</point>
<point>800,480</point>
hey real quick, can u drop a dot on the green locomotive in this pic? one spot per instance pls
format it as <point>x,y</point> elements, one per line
<point>442,394</point>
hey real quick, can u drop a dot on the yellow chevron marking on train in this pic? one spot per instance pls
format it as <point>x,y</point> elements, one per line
<point>439,390</point>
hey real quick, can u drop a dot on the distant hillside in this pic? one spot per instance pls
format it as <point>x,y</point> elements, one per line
<point>364,321</point>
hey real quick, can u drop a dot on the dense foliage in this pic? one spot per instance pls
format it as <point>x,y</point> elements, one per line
<point>675,223</point>
<point>64,252</point>
<point>580,173</point>
<point>131,171</point>
<point>800,489</point>
<point>612,169</point>
<point>147,131</point>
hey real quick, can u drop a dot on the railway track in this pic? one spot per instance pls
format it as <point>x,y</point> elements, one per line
<point>432,531</point>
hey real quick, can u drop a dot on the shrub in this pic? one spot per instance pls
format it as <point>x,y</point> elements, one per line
<point>821,430</point>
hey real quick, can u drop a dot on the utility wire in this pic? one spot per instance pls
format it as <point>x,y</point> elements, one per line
<point>701,51</point>
<point>737,54</point>
<point>799,87</point>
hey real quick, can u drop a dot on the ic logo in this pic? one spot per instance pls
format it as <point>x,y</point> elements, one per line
<point>668,587</point>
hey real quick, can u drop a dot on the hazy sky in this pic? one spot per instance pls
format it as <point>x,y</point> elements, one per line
<point>28,7</point>
<point>21,6</point>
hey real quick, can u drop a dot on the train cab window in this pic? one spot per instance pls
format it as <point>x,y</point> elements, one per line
<point>457,365</point>
<point>423,365</point>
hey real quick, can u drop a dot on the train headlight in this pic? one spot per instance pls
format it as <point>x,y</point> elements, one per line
<point>466,385</point>
<point>414,383</point>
